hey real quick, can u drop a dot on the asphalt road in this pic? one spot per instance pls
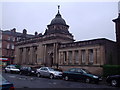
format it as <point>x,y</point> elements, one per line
<point>22,81</point>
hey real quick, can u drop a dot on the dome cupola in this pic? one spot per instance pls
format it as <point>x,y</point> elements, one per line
<point>58,27</point>
<point>58,19</point>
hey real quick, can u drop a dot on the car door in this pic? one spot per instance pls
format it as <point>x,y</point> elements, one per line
<point>7,68</point>
<point>41,71</point>
<point>79,74</point>
<point>46,72</point>
<point>72,73</point>
<point>28,70</point>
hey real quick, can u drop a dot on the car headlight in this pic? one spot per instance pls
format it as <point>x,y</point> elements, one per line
<point>95,76</point>
<point>32,71</point>
<point>56,73</point>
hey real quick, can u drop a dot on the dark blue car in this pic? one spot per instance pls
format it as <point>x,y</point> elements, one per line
<point>81,74</point>
<point>5,85</point>
<point>113,80</point>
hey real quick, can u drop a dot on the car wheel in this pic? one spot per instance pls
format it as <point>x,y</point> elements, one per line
<point>66,78</point>
<point>87,80</point>
<point>114,82</point>
<point>11,71</point>
<point>96,82</point>
<point>28,74</point>
<point>38,75</point>
<point>51,76</point>
<point>20,73</point>
<point>5,71</point>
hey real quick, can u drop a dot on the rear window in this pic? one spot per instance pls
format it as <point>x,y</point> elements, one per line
<point>17,66</point>
<point>72,70</point>
<point>13,66</point>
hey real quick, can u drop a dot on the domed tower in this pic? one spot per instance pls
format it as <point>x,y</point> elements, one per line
<point>59,28</point>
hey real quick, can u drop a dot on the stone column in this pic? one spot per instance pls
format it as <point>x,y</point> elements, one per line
<point>102,58</point>
<point>67,57</point>
<point>44,61</point>
<point>95,56</point>
<point>19,56</point>
<point>32,55</point>
<point>73,57</point>
<point>28,56</point>
<point>87,57</point>
<point>36,55</point>
<point>80,59</point>
<point>25,54</point>
<point>54,53</point>
<point>98,56</point>
<point>62,59</point>
<point>59,59</point>
<point>57,54</point>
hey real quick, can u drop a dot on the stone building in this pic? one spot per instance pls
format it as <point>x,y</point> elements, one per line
<point>8,38</point>
<point>117,27</point>
<point>57,48</point>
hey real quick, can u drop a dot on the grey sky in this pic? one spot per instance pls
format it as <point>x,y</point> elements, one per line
<point>87,20</point>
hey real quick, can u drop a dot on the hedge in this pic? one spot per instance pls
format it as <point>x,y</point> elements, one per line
<point>111,70</point>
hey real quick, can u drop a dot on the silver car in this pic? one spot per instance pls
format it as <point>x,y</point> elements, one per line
<point>48,72</point>
<point>12,68</point>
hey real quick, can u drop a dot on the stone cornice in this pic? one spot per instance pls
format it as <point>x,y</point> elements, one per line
<point>44,38</point>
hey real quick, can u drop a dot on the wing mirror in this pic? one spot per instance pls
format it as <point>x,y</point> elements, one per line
<point>81,72</point>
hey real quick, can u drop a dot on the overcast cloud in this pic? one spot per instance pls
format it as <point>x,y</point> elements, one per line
<point>87,20</point>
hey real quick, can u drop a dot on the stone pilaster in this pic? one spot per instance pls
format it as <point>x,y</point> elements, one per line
<point>67,57</point>
<point>25,54</point>
<point>54,53</point>
<point>87,57</point>
<point>57,54</point>
<point>94,56</point>
<point>59,59</point>
<point>20,56</point>
<point>79,55</point>
<point>32,55</point>
<point>73,57</point>
<point>98,56</point>
<point>62,59</point>
<point>44,61</point>
<point>102,58</point>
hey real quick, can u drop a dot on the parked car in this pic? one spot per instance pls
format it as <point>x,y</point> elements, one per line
<point>5,85</point>
<point>12,68</point>
<point>28,70</point>
<point>81,74</point>
<point>49,72</point>
<point>113,80</point>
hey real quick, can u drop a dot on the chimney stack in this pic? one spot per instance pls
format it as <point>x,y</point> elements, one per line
<point>24,31</point>
<point>13,30</point>
<point>36,33</point>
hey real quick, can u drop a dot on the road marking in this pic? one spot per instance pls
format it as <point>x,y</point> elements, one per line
<point>11,76</point>
<point>53,83</point>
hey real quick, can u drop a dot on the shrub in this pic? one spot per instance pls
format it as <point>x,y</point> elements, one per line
<point>111,70</point>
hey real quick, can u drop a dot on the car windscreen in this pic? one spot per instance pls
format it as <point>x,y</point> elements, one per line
<point>51,69</point>
<point>13,67</point>
<point>85,71</point>
<point>17,66</point>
